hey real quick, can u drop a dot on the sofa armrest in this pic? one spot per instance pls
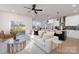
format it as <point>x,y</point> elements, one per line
<point>48,45</point>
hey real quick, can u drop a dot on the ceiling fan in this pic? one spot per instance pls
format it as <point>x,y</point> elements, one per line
<point>34,8</point>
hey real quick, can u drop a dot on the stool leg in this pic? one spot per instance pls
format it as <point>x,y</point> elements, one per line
<point>61,47</point>
<point>58,48</point>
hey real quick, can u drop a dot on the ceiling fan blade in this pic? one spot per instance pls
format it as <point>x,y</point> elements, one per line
<point>29,11</point>
<point>35,12</point>
<point>38,9</point>
<point>27,7</point>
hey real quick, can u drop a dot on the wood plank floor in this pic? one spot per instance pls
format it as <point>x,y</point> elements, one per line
<point>70,46</point>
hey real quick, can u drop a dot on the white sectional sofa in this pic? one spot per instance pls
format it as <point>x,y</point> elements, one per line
<point>45,40</point>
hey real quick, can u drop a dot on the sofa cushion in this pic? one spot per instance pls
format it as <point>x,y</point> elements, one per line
<point>41,33</point>
<point>46,36</point>
<point>51,34</point>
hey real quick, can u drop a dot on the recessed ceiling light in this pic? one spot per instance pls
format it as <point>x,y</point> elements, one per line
<point>75,11</point>
<point>73,5</point>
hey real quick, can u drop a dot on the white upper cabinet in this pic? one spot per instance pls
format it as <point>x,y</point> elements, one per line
<point>72,20</point>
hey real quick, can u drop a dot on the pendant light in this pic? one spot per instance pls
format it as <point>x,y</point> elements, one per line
<point>58,15</point>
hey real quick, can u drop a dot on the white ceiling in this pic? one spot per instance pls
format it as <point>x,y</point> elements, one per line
<point>48,9</point>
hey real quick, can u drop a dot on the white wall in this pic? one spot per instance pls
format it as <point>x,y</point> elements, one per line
<point>72,21</point>
<point>6,18</point>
